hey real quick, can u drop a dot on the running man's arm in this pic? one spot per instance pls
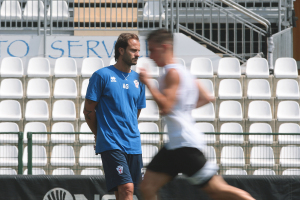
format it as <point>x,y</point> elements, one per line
<point>139,112</point>
<point>204,96</point>
<point>167,99</point>
<point>90,115</point>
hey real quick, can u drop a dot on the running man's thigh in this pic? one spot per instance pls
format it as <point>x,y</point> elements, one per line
<point>153,181</point>
<point>116,169</point>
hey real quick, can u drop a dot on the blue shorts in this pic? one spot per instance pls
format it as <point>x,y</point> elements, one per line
<point>121,168</point>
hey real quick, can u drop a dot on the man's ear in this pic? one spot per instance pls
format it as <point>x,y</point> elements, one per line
<point>121,51</point>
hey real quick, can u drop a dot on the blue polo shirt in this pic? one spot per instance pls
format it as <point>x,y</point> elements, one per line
<point>119,96</point>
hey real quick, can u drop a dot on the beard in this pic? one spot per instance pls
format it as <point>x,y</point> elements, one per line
<point>128,61</point>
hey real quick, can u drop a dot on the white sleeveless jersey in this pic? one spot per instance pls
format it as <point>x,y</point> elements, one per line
<point>180,123</point>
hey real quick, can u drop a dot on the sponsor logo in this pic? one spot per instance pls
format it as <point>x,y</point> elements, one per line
<point>113,79</point>
<point>58,194</point>
<point>136,83</point>
<point>120,169</point>
<point>125,86</point>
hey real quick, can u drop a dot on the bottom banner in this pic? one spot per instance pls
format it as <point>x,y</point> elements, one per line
<point>28,187</point>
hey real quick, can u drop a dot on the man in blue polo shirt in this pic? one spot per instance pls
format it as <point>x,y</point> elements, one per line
<point>114,99</point>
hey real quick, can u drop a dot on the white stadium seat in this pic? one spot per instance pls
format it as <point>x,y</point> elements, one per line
<point>153,83</point>
<point>208,85</point>
<point>87,157</point>
<point>84,87</point>
<point>210,154</point>
<point>60,11</point>
<point>37,110</point>
<point>287,89</point>
<point>235,171</point>
<point>31,10</point>
<point>63,138</point>
<point>204,113</point>
<point>260,128</point>
<point>288,111</point>
<point>258,89</point>
<point>8,155</point>
<point>151,11</point>
<point>207,128</point>
<point>10,110</point>
<point>8,171</point>
<point>86,138</point>
<point>230,89</point>
<point>65,88</point>
<point>38,88</point>
<point>232,156</point>
<point>149,127</point>
<point>291,172</point>
<point>259,111</point>
<point>11,88</point>
<point>180,61</point>
<point>36,127</point>
<point>289,128</point>
<point>264,172</point>
<point>92,171</point>
<point>90,65</point>
<point>62,155</point>
<point>63,171</point>
<point>9,127</point>
<point>202,68</point>
<point>257,68</point>
<point>82,117</point>
<point>285,68</point>
<point>35,171</point>
<point>11,66</point>
<point>150,113</point>
<point>39,156</point>
<point>64,110</point>
<point>290,156</point>
<point>38,67</point>
<point>11,10</point>
<point>148,152</point>
<point>229,68</point>
<point>65,67</point>
<point>230,111</point>
<point>149,65</point>
<point>262,156</point>
<point>229,138</point>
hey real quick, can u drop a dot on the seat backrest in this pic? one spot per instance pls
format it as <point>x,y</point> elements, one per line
<point>180,61</point>
<point>257,68</point>
<point>60,9</point>
<point>8,152</point>
<point>148,127</point>
<point>38,66</point>
<point>202,68</point>
<point>84,86</point>
<point>291,172</point>
<point>150,110</point>
<point>151,9</point>
<point>260,128</point>
<point>288,109</point>
<point>11,66</point>
<point>264,172</point>
<point>39,156</point>
<point>287,89</point>
<point>64,110</point>
<point>63,152</point>
<point>90,65</point>
<point>10,110</point>
<point>230,89</point>
<point>149,65</point>
<point>289,128</point>
<point>35,171</point>
<point>85,128</point>
<point>258,89</point>
<point>290,152</point>
<point>32,9</point>
<point>63,171</point>
<point>204,113</point>
<point>210,154</point>
<point>88,152</point>
<point>262,152</point>
<point>205,127</point>
<point>257,109</point>
<point>230,110</point>
<point>229,68</point>
<point>65,67</point>
<point>285,68</point>
<point>62,127</point>
<point>232,152</point>
<point>65,88</point>
<point>11,10</point>
<point>11,88</point>
<point>92,171</point>
<point>37,110</point>
<point>231,128</point>
<point>148,151</point>
<point>208,85</point>
<point>36,127</point>
<point>235,172</point>
<point>38,88</point>
<point>153,83</point>
<point>9,127</point>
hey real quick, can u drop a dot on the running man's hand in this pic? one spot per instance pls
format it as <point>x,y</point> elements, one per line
<point>144,78</point>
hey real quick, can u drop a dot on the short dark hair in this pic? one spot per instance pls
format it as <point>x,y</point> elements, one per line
<point>123,42</point>
<point>160,36</point>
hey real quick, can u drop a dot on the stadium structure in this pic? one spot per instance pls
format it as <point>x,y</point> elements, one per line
<point>245,52</point>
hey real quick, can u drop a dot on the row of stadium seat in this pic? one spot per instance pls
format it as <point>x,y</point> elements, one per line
<point>200,67</point>
<point>11,10</point>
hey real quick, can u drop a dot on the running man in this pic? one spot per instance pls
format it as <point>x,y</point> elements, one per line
<point>178,95</point>
<point>114,100</point>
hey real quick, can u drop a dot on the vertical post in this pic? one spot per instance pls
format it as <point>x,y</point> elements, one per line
<point>20,153</point>
<point>45,25</point>
<point>172,16</point>
<point>39,19</point>
<point>166,15</point>
<point>177,16</point>
<point>279,15</point>
<point>160,13</point>
<point>29,162</point>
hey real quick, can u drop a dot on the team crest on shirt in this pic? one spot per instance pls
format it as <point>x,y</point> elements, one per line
<point>136,83</point>
<point>120,169</point>
<point>113,79</point>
